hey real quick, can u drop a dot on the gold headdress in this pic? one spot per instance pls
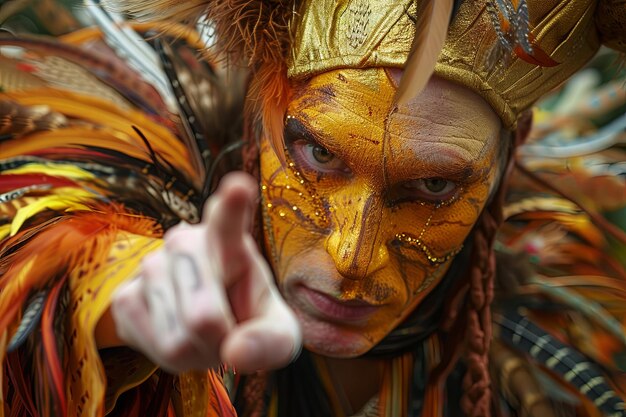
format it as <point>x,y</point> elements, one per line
<point>561,36</point>
<point>510,52</point>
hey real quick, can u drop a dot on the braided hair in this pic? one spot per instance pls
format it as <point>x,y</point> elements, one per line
<point>476,399</point>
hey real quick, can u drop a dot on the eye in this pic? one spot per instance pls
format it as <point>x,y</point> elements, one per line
<point>313,156</point>
<point>436,185</point>
<point>320,154</point>
<point>432,190</point>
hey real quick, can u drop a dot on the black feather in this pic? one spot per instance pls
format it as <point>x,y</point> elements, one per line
<point>30,320</point>
<point>520,333</point>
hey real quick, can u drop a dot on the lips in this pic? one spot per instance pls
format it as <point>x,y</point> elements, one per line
<point>333,309</point>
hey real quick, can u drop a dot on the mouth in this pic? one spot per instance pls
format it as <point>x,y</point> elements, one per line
<point>327,307</point>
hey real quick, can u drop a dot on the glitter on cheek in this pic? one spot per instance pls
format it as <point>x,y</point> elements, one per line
<point>288,196</point>
<point>294,215</point>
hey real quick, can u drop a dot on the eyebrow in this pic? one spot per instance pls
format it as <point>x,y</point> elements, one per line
<point>454,168</point>
<point>437,163</point>
<point>295,129</point>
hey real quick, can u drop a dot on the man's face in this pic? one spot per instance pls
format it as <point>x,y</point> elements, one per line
<point>373,204</point>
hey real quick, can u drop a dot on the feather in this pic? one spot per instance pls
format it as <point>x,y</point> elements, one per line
<point>536,56</point>
<point>219,401</point>
<point>30,320</point>
<point>17,120</point>
<point>192,120</point>
<point>116,131</point>
<point>511,23</point>
<point>586,305</point>
<point>495,13</point>
<point>161,397</point>
<point>161,10</point>
<point>133,49</point>
<point>57,173</point>
<point>241,41</point>
<point>540,203</point>
<point>19,278</point>
<point>609,135</point>
<point>55,249</point>
<point>101,64</point>
<point>596,218</point>
<point>171,29</point>
<point>67,199</point>
<point>433,17</point>
<point>20,192</point>
<point>210,182</point>
<point>237,22</point>
<point>20,381</point>
<point>517,382</point>
<point>522,30</point>
<point>16,185</point>
<point>49,344</point>
<point>521,334</point>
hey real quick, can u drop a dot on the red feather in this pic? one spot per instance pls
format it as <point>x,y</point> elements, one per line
<point>50,346</point>
<point>23,388</point>
<point>11,182</point>
<point>539,56</point>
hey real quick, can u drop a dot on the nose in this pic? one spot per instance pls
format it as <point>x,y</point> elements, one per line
<point>357,242</point>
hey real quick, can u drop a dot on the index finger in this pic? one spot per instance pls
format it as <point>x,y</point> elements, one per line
<point>228,216</point>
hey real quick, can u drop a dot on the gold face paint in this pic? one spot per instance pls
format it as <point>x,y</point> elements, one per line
<point>373,204</point>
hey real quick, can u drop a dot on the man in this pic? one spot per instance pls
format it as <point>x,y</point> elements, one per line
<point>378,220</point>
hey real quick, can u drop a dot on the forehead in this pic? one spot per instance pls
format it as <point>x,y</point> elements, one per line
<point>354,110</point>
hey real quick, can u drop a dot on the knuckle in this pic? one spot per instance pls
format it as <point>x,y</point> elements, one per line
<point>175,350</point>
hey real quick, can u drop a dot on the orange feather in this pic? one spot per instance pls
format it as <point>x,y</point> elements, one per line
<point>61,246</point>
<point>219,402</point>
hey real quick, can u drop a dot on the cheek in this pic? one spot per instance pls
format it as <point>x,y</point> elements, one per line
<point>427,237</point>
<point>294,216</point>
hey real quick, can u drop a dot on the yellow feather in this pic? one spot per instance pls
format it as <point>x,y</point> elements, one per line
<point>53,169</point>
<point>5,229</point>
<point>68,199</point>
<point>11,290</point>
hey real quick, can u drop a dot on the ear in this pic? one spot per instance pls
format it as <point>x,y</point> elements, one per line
<point>524,123</point>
